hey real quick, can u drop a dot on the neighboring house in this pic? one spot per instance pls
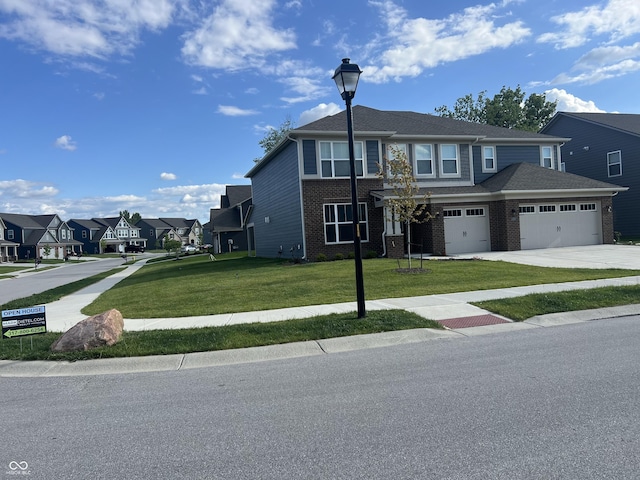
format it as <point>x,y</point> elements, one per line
<point>188,232</point>
<point>8,250</point>
<point>207,237</point>
<point>38,234</point>
<point>228,224</point>
<point>605,147</point>
<point>156,231</point>
<point>95,236</point>
<point>110,234</point>
<point>489,188</point>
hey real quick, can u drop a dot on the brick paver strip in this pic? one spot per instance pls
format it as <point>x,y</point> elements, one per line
<point>476,321</point>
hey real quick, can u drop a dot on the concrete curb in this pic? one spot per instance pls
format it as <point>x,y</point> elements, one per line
<point>116,366</point>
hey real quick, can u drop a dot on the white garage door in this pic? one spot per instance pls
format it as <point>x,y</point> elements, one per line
<point>548,225</point>
<point>466,229</point>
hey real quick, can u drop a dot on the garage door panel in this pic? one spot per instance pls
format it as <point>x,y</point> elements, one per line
<point>466,230</point>
<point>551,225</point>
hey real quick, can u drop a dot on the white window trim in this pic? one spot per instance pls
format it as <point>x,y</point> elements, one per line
<point>495,160</point>
<point>364,223</point>
<point>441,161</point>
<point>542,157</point>
<point>609,164</point>
<point>415,162</point>
<point>332,160</point>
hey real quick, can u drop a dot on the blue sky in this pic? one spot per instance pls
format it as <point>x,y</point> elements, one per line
<point>153,106</point>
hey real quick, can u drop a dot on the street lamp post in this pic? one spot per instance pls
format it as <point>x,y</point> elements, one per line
<point>346,77</point>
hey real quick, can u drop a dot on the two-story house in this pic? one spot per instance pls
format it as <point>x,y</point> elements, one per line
<point>40,236</point>
<point>156,231</point>
<point>228,224</point>
<point>606,147</point>
<point>189,232</point>
<point>487,188</point>
<point>8,249</point>
<point>95,236</point>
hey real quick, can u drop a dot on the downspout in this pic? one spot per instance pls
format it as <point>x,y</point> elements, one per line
<point>304,233</point>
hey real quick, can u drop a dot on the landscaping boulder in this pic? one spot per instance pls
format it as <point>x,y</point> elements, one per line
<point>100,330</point>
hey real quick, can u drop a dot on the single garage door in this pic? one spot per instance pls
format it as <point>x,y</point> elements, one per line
<point>546,225</point>
<point>466,229</point>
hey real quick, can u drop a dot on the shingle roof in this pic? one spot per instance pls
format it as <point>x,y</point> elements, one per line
<point>527,176</point>
<point>625,122</point>
<point>520,177</point>
<point>237,194</point>
<point>367,119</point>
<point>225,220</point>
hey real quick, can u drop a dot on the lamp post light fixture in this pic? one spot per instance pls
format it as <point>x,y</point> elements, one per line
<point>346,77</point>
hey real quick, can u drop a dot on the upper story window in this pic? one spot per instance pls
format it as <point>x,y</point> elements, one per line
<point>614,163</point>
<point>122,233</point>
<point>84,234</point>
<point>134,233</point>
<point>449,160</point>
<point>63,233</point>
<point>9,234</point>
<point>489,159</point>
<point>334,157</point>
<point>546,157</point>
<point>423,166</point>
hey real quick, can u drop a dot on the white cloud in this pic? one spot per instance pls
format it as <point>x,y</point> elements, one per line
<point>83,28</point>
<point>320,111</point>
<point>200,91</point>
<point>238,176</point>
<point>412,45</point>
<point>571,103</point>
<point>66,143</point>
<point>237,36</point>
<point>617,19</point>
<point>232,111</point>
<point>168,176</point>
<point>98,95</point>
<point>25,189</point>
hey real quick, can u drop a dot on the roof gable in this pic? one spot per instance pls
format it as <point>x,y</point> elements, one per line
<point>623,122</point>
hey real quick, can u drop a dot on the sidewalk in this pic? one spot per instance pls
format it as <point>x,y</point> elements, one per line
<point>452,310</point>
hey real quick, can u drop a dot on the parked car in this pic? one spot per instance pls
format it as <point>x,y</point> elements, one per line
<point>134,249</point>
<point>189,249</point>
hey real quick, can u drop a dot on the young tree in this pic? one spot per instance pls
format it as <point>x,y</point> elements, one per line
<point>172,245</point>
<point>407,205</point>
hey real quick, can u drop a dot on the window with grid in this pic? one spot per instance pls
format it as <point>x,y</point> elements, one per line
<point>424,160</point>
<point>488,159</point>
<point>338,222</point>
<point>614,163</point>
<point>527,209</point>
<point>546,159</point>
<point>334,159</point>
<point>449,160</point>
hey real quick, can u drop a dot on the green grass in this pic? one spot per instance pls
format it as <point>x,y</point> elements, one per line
<point>195,285</point>
<point>163,342</point>
<point>527,306</point>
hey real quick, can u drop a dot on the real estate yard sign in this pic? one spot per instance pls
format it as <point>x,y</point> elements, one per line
<point>21,322</point>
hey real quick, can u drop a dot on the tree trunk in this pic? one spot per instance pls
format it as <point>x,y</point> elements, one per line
<point>408,228</point>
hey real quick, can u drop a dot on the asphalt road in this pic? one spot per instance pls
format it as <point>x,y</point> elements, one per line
<point>29,284</point>
<point>552,403</point>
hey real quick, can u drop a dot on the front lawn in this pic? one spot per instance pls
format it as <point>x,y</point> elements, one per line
<point>197,286</point>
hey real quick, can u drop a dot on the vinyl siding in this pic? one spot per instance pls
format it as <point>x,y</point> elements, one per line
<point>592,162</point>
<point>505,155</point>
<point>276,195</point>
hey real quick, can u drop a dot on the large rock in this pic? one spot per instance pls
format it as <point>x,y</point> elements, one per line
<point>100,330</point>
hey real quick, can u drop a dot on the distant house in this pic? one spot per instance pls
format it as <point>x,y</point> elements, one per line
<point>227,224</point>
<point>488,188</point>
<point>605,147</point>
<point>96,236</point>
<point>40,236</point>
<point>110,234</point>
<point>188,232</point>
<point>8,250</point>
<point>156,230</point>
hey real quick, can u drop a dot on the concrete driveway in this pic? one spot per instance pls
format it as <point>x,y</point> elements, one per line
<point>591,256</point>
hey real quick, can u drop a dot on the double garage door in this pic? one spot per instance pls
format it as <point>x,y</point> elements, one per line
<point>466,229</point>
<point>546,225</point>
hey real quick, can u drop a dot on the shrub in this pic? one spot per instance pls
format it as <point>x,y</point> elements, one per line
<point>338,256</point>
<point>371,254</point>
<point>321,257</point>
<point>351,255</point>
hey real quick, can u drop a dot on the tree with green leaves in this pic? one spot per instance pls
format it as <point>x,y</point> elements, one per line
<point>275,135</point>
<point>508,109</point>
<point>131,219</point>
<point>172,245</point>
<point>407,205</point>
